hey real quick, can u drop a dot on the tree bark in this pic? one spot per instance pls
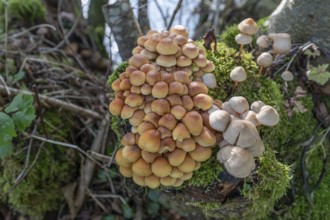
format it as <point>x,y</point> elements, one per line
<point>304,20</point>
<point>124,26</point>
<point>143,16</point>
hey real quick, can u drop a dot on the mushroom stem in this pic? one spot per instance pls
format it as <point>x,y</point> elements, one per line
<point>240,50</point>
<point>260,71</point>
<point>235,84</point>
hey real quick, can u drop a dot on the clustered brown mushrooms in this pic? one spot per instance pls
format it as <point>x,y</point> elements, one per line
<point>241,141</point>
<point>162,95</point>
<point>247,28</point>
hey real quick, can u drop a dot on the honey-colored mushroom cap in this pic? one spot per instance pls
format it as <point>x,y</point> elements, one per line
<point>248,26</point>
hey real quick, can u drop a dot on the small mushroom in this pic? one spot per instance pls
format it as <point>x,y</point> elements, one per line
<point>264,60</point>
<point>268,116</point>
<point>239,104</point>
<point>263,41</point>
<point>160,167</point>
<point>242,39</point>
<point>209,80</point>
<point>287,76</point>
<point>219,120</point>
<point>237,161</point>
<point>238,74</point>
<point>248,26</point>
<point>256,106</point>
<point>281,42</point>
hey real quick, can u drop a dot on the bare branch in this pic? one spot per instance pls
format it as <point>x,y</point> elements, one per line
<point>174,14</point>
<point>55,103</point>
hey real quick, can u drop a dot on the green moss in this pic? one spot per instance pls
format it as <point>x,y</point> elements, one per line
<point>41,190</point>
<point>207,173</point>
<point>28,12</point>
<point>272,183</point>
<point>228,36</point>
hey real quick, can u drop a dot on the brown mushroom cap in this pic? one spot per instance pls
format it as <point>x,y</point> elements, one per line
<point>187,144</point>
<point>248,26</point>
<point>174,99</point>
<point>125,84</point>
<point>148,54</point>
<point>150,141</point>
<point>180,132</point>
<point>167,145</point>
<point>187,176</point>
<point>193,122</point>
<point>178,112</point>
<point>161,168</point>
<point>128,139</point>
<point>176,157</point>
<point>268,116</point>
<point>141,168</point>
<point>168,121</point>
<point>167,181</point>
<point>209,67</point>
<point>190,50</point>
<point>187,165</point>
<point>145,126</point>
<point>265,59</point>
<point>201,154</point>
<point>178,182</point>
<point>187,102</point>
<point>134,100</point>
<point>127,111</point>
<point>137,117</point>
<point>140,41</point>
<point>126,171</point>
<point>137,50</point>
<point>164,132</point>
<point>116,106</point>
<point>152,77</point>
<point>180,39</point>
<point>176,173</point>
<point>179,30</point>
<point>203,101</point>
<point>166,60</point>
<point>175,88</point>
<point>238,74</point>
<point>139,180</point>
<point>149,157</point>
<point>131,153</point>
<point>181,76</point>
<point>152,42</point>
<point>152,181</point>
<point>121,161</point>
<point>183,61</point>
<point>206,138</point>
<point>137,60</point>
<point>167,46</point>
<point>160,90</point>
<point>161,106</point>
<point>195,88</point>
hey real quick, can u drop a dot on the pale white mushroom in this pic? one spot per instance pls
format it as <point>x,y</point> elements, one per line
<point>241,133</point>
<point>250,116</point>
<point>239,104</point>
<point>287,76</point>
<point>264,60</point>
<point>263,41</point>
<point>242,39</point>
<point>257,149</point>
<point>226,107</point>
<point>219,120</point>
<point>281,42</point>
<point>237,161</point>
<point>268,116</point>
<point>213,109</point>
<point>209,80</point>
<point>256,106</point>
<point>248,26</point>
<point>238,74</point>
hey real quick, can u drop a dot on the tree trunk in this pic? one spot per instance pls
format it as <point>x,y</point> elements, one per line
<point>124,26</point>
<point>143,16</point>
<point>304,20</point>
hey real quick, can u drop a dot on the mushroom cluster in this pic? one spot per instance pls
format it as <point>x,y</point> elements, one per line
<point>237,121</point>
<point>162,95</point>
<point>247,28</point>
<point>280,43</point>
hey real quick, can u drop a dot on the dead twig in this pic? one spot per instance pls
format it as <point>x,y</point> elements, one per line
<point>174,14</point>
<point>55,103</point>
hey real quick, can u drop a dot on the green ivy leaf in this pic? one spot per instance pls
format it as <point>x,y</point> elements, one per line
<point>319,74</point>
<point>7,132</point>
<point>128,212</point>
<point>24,112</point>
<point>18,76</point>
